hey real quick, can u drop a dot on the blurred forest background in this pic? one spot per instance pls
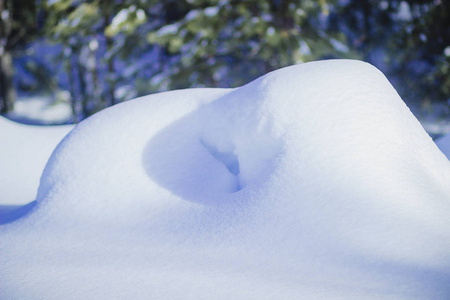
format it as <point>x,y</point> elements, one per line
<point>89,55</point>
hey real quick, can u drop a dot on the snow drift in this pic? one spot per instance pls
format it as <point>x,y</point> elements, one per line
<point>314,181</point>
<point>25,150</point>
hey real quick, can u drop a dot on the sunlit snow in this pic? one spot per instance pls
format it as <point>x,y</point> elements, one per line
<point>312,182</point>
<point>25,150</point>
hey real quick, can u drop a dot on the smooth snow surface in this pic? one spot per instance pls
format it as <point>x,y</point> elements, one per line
<point>312,182</point>
<point>25,150</point>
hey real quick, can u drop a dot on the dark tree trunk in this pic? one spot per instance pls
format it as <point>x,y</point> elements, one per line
<point>98,96</point>
<point>367,10</point>
<point>73,95</point>
<point>110,63</point>
<point>7,92</point>
<point>84,99</point>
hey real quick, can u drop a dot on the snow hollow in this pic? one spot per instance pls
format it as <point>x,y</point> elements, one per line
<point>314,181</point>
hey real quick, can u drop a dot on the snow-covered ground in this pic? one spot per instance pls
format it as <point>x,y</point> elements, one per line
<point>435,124</point>
<point>312,182</point>
<point>25,150</point>
<point>42,110</point>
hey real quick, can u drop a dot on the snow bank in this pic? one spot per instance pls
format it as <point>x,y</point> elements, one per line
<point>25,150</point>
<point>314,181</point>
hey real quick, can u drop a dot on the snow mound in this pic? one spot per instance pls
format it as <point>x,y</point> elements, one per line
<point>313,181</point>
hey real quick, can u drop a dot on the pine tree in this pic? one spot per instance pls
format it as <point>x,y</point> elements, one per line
<point>17,27</point>
<point>228,43</point>
<point>87,30</point>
